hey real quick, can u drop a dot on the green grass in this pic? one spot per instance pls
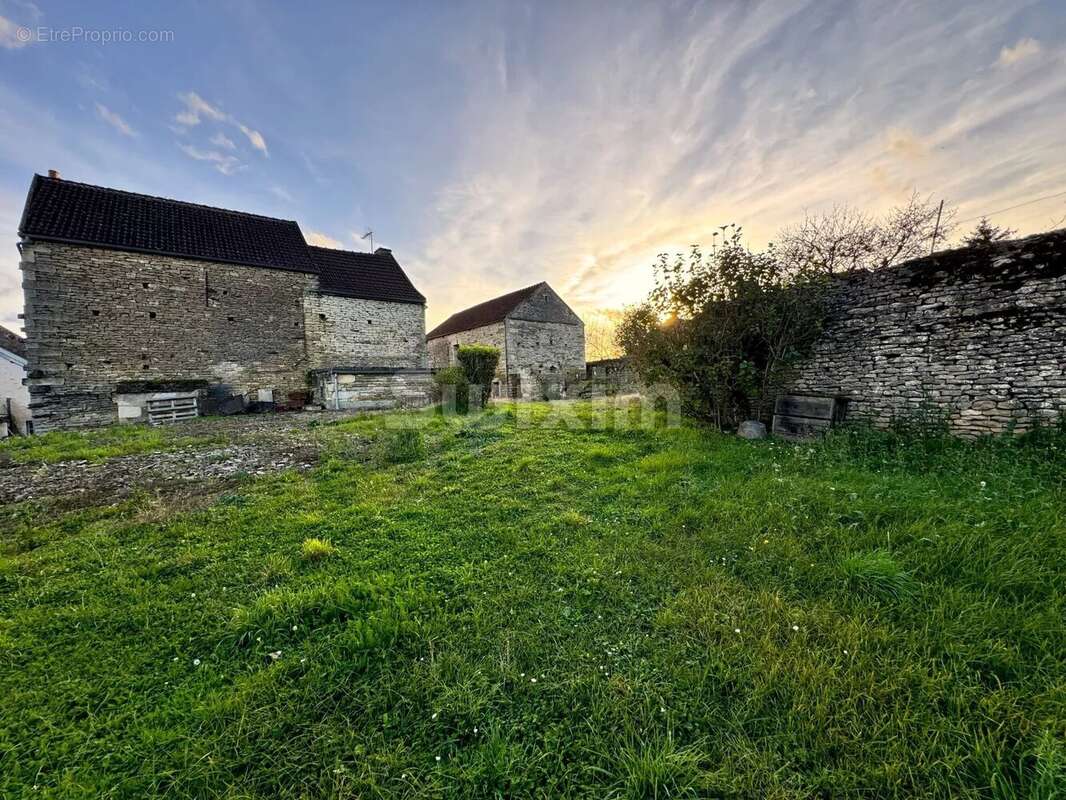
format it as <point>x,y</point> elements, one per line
<point>515,610</point>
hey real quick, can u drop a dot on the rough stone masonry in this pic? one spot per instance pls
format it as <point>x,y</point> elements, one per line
<point>129,295</point>
<point>977,335</point>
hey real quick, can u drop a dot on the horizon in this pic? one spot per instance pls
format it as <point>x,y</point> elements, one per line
<point>493,147</point>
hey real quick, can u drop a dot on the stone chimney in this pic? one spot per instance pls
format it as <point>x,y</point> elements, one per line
<point>54,173</point>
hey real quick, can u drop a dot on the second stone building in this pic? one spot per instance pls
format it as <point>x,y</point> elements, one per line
<point>540,339</point>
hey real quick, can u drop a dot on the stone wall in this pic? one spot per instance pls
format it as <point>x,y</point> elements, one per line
<point>95,317</point>
<point>370,390</point>
<point>545,347</point>
<point>978,334</point>
<point>442,349</point>
<point>347,331</point>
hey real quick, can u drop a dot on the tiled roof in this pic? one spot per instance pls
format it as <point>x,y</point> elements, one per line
<point>494,310</point>
<point>67,211</point>
<point>369,276</point>
<point>12,342</point>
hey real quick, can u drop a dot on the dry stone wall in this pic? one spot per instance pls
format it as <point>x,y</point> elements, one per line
<point>347,331</point>
<point>442,349</point>
<point>97,317</point>
<point>978,335</point>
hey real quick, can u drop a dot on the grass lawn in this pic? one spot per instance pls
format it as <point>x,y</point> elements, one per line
<point>527,610</point>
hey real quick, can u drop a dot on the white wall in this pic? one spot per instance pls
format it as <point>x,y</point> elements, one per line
<point>12,371</point>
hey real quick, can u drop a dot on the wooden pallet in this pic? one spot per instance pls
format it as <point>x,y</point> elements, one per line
<point>804,416</point>
<point>174,409</point>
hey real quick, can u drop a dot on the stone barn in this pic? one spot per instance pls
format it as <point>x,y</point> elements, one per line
<point>145,308</point>
<point>540,339</point>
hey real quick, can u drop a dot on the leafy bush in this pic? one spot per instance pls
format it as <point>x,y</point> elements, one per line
<point>479,363</point>
<point>400,446</point>
<point>452,389</point>
<point>315,549</point>
<point>726,329</point>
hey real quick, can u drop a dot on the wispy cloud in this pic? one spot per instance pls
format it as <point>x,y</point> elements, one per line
<point>12,35</point>
<point>280,193</point>
<point>597,152</point>
<point>323,240</point>
<point>256,138</point>
<point>1024,49</point>
<point>222,140</point>
<point>114,120</point>
<point>197,109</point>
<point>223,162</point>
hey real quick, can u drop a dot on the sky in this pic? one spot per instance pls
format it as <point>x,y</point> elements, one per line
<point>492,145</point>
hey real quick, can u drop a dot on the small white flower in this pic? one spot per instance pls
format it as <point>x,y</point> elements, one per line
<point>736,630</point>
<point>438,758</point>
<point>532,680</point>
<point>196,662</point>
<point>845,652</point>
<point>194,593</point>
<point>475,729</point>
<point>294,627</point>
<point>275,655</point>
<point>983,484</point>
<point>795,627</point>
<point>433,717</point>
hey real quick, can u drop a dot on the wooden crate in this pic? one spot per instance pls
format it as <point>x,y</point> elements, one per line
<point>804,416</point>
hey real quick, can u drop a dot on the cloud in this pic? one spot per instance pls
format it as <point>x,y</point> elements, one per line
<point>114,120</point>
<point>255,137</point>
<point>322,240</point>
<point>226,164</point>
<point>222,140</point>
<point>1025,48</point>
<point>196,108</point>
<point>12,35</point>
<point>280,193</point>
<point>598,152</point>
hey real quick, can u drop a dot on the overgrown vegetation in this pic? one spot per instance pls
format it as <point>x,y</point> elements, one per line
<point>479,366</point>
<point>452,389</point>
<point>724,328</point>
<point>553,610</point>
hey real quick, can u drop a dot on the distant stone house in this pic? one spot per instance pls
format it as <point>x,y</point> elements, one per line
<point>138,305</point>
<point>14,397</point>
<point>540,339</point>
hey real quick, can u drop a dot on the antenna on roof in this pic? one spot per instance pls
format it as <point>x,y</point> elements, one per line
<point>369,233</point>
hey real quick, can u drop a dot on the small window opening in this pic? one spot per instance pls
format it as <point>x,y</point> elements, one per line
<point>70,366</point>
<point>230,319</point>
<point>151,315</point>
<point>145,285</point>
<point>96,313</point>
<point>322,316</point>
<point>370,322</point>
<point>296,324</point>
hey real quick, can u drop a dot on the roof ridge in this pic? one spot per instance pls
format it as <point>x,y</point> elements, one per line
<point>127,193</point>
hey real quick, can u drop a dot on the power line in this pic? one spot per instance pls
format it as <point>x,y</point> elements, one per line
<point>1011,208</point>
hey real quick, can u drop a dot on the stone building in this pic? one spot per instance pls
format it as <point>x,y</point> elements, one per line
<point>138,304</point>
<point>14,397</point>
<point>540,339</point>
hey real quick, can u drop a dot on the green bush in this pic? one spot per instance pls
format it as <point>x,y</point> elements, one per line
<point>479,366</point>
<point>452,387</point>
